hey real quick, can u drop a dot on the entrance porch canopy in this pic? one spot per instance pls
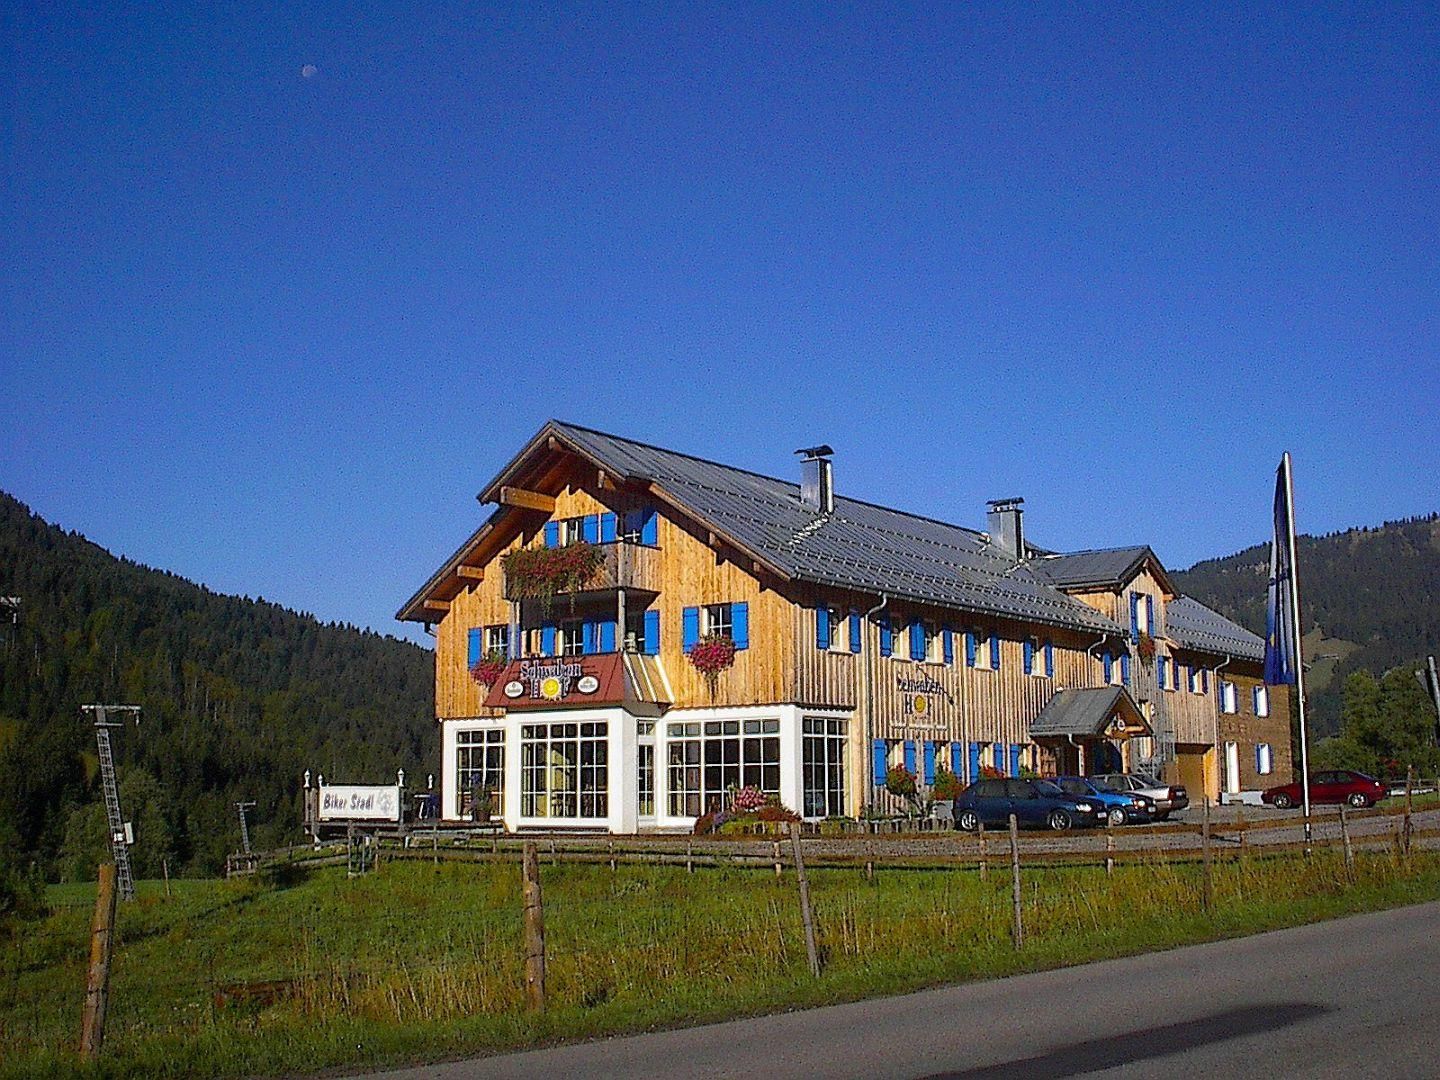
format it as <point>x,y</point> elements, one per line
<point>1103,712</point>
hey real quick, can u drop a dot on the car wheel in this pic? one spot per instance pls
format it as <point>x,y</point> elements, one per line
<point>1059,820</point>
<point>1163,816</point>
<point>968,821</point>
<point>1283,801</point>
<point>1358,800</point>
<point>1116,816</point>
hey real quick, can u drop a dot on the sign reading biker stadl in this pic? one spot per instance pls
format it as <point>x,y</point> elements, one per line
<point>563,682</point>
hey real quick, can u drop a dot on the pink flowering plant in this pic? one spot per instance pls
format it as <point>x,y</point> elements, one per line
<point>538,573</point>
<point>711,655</point>
<point>748,800</point>
<point>489,668</point>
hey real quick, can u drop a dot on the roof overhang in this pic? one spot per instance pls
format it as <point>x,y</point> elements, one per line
<point>1102,712</point>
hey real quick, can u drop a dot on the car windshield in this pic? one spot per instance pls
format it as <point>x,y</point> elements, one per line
<point>1073,787</point>
<point>1045,789</point>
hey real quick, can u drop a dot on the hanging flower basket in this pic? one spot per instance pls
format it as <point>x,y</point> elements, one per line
<point>1145,647</point>
<point>539,573</point>
<point>489,668</point>
<point>710,656</point>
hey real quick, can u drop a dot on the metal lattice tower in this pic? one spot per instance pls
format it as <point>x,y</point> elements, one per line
<point>119,848</point>
<point>244,826</point>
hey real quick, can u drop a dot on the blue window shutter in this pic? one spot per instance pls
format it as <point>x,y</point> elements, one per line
<point>1205,680</point>
<point>1028,648</point>
<point>917,640</point>
<point>1125,668</point>
<point>855,629</point>
<point>1134,614</point>
<point>822,627</point>
<point>910,755</point>
<point>590,529</point>
<point>879,761</point>
<point>651,647</point>
<point>1150,614</point>
<point>1015,759</point>
<point>740,625</point>
<point>957,756</point>
<point>552,534</point>
<point>969,648</point>
<point>513,641</point>
<point>608,529</point>
<point>947,640</point>
<point>1107,665</point>
<point>1259,764</point>
<point>473,655</point>
<point>689,628</point>
<point>606,643</point>
<point>929,762</point>
<point>997,756</point>
<point>1160,674</point>
<point>887,637</point>
<point>974,773</point>
<point>995,652</point>
<point>1049,659</point>
<point>649,527</point>
<point>587,642</point>
<point>1255,700</point>
<point>547,639</point>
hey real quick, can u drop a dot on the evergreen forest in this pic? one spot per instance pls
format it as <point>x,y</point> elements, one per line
<point>238,696</point>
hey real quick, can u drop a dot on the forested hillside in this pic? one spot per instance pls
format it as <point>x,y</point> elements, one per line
<point>1370,600</point>
<point>239,696</point>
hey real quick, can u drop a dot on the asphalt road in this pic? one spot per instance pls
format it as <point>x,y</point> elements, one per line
<point>1356,997</point>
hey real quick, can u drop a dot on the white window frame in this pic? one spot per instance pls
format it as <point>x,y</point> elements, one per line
<point>824,746</point>
<point>1262,701</point>
<point>1229,698</point>
<point>488,746</point>
<point>934,645</point>
<point>497,639</point>
<point>570,638</point>
<point>1265,758</point>
<point>717,619</point>
<point>570,530</point>
<point>839,630</point>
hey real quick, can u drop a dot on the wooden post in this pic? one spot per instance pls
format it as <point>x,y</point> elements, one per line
<point>611,845</point>
<point>689,857</point>
<point>165,867</point>
<point>807,916</point>
<point>1109,849</point>
<point>984,862</point>
<point>1345,840</point>
<point>97,980</point>
<point>775,855</point>
<point>1241,830</point>
<point>1208,896</point>
<point>534,929</point>
<point>554,859</point>
<point>1017,930</point>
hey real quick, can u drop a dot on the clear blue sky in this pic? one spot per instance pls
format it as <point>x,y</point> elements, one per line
<point>285,284</point>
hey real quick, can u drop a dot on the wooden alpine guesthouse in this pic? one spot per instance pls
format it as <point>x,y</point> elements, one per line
<point>633,633</point>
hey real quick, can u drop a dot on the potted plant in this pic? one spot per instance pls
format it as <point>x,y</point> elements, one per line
<point>482,805</point>
<point>538,573</point>
<point>711,655</point>
<point>1145,647</point>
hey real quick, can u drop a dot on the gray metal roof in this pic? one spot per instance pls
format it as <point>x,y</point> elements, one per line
<point>1192,625</point>
<point>859,546</point>
<point>1108,566</point>
<point>1084,712</point>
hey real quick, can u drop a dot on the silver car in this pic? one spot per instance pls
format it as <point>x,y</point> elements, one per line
<point>1167,797</point>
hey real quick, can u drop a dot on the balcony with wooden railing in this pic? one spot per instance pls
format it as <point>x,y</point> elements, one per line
<point>621,565</point>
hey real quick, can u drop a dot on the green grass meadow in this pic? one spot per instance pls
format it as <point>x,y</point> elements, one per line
<point>418,961</point>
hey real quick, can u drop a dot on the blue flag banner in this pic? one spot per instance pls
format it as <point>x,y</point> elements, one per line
<point>1282,652</point>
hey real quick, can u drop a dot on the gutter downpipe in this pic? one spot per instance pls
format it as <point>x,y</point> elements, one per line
<point>1218,704</point>
<point>868,693</point>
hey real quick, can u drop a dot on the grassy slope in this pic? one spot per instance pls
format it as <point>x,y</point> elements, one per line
<point>419,961</point>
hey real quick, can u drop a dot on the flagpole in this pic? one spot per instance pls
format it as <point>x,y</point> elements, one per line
<point>1299,648</point>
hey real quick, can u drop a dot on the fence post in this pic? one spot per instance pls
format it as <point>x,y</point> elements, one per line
<point>689,857</point>
<point>1017,930</point>
<point>775,855</point>
<point>1241,829</point>
<point>534,928</point>
<point>1409,805</point>
<point>984,862</point>
<point>1345,840</point>
<point>165,868</point>
<point>611,845</point>
<point>807,916</point>
<point>97,979</point>
<point>1209,893</point>
<point>1109,849</point>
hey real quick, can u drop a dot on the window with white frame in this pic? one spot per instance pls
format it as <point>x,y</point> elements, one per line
<point>717,620</point>
<point>571,530</point>
<point>645,768</point>
<point>982,645</point>
<point>564,770</point>
<point>1262,701</point>
<point>1228,697</point>
<point>934,645</point>
<point>839,626</point>
<point>1264,759</point>
<point>497,639</point>
<point>479,763</point>
<point>707,760</point>
<point>824,767</point>
<point>570,638</point>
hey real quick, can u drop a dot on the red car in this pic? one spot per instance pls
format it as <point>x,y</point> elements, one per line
<point>1332,786</point>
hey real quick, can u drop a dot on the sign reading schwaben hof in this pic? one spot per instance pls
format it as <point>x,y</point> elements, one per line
<point>561,681</point>
<point>359,802</point>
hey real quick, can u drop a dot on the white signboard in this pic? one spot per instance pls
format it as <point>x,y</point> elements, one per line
<point>360,802</point>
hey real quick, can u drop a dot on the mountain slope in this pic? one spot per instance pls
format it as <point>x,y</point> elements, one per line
<point>239,696</point>
<point>1370,598</point>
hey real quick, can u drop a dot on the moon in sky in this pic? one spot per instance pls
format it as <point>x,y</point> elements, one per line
<point>309,71</point>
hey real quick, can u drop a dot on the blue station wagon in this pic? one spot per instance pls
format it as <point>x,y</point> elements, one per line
<point>1123,807</point>
<point>1033,802</point>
